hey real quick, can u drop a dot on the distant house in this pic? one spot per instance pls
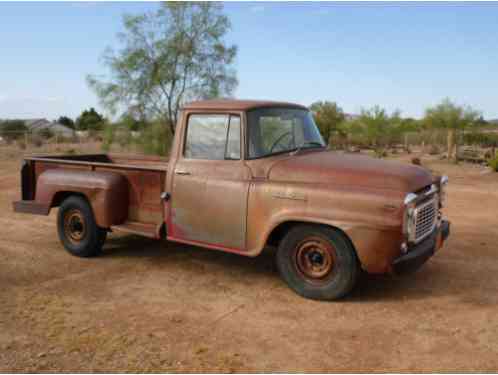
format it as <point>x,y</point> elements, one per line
<point>37,125</point>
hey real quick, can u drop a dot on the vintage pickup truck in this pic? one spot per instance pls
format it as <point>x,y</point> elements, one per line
<point>243,176</point>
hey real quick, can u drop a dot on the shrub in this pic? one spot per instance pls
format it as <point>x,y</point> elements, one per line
<point>108,137</point>
<point>12,130</point>
<point>155,139</point>
<point>493,163</point>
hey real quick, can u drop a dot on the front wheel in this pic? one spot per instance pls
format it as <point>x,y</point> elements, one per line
<point>317,262</point>
<point>77,229</point>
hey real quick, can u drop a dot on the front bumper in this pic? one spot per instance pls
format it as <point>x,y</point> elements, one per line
<point>421,252</point>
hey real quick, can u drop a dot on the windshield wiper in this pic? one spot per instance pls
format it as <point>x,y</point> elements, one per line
<point>307,143</point>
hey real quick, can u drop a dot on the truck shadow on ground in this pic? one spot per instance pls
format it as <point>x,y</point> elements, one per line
<point>435,279</point>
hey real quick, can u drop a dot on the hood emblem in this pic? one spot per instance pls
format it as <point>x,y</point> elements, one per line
<point>289,195</point>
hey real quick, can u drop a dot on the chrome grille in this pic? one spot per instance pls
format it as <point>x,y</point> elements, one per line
<point>425,218</point>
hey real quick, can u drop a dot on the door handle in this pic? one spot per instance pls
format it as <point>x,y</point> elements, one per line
<point>182,172</point>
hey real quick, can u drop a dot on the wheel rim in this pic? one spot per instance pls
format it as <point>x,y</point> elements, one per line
<point>74,226</point>
<point>315,259</point>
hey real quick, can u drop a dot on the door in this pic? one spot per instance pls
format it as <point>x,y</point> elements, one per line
<point>210,185</point>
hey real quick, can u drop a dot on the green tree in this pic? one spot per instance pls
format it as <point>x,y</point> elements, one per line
<point>381,128</point>
<point>90,120</point>
<point>66,121</point>
<point>169,56</point>
<point>132,123</point>
<point>447,115</point>
<point>328,116</point>
<point>12,129</point>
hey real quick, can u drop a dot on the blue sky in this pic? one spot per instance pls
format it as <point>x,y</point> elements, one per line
<point>399,56</point>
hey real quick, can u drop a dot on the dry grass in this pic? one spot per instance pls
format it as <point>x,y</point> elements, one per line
<point>147,306</point>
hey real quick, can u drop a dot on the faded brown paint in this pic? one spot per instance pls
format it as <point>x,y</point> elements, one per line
<point>235,206</point>
<point>118,193</point>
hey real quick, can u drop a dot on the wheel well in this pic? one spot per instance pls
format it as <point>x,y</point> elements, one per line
<point>60,196</point>
<point>280,231</point>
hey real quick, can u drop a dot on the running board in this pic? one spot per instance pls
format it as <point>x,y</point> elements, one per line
<point>141,229</point>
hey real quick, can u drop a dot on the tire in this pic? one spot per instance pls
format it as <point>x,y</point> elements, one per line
<point>77,229</point>
<point>317,262</point>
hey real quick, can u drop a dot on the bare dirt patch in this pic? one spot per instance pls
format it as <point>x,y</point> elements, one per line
<point>155,306</point>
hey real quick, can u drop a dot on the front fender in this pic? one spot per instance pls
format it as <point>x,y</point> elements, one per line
<point>372,220</point>
<point>107,192</point>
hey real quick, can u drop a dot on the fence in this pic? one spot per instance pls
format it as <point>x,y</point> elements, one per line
<point>29,142</point>
<point>157,141</point>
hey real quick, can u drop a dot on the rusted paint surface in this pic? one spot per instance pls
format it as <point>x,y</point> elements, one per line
<point>116,194</point>
<point>106,191</point>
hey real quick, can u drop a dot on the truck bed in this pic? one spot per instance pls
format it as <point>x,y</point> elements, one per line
<point>145,176</point>
<point>117,161</point>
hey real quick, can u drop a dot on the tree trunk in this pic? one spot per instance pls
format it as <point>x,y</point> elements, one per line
<point>171,125</point>
<point>451,143</point>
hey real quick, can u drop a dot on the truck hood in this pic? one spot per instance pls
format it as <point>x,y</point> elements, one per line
<point>350,170</point>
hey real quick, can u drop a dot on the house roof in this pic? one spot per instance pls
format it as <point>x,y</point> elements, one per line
<point>237,105</point>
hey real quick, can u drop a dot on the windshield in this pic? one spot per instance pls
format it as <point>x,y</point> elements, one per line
<point>276,130</point>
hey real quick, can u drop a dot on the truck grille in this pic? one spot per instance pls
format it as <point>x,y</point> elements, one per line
<point>425,218</point>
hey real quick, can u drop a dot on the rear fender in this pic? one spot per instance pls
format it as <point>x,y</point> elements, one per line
<point>107,192</point>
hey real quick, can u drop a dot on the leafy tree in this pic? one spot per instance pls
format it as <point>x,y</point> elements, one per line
<point>453,118</point>
<point>130,122</point>
<point>12,129</point>
<point>481,122</point>
<point>90,120</point>
<point>67,121</point>
<point>381,129</point>
<point>169,56</point>
<point>328,116</point>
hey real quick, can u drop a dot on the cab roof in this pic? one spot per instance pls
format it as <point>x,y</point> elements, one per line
<point>237,105</point>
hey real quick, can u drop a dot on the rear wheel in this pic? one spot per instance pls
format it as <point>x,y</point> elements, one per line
<point>77,228</point>
<point>317,262</point>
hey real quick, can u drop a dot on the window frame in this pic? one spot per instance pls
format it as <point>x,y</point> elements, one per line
<point>246,135</point>
<point>228,115</point>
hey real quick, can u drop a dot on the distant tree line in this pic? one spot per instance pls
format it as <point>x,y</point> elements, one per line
<point>378,129</point>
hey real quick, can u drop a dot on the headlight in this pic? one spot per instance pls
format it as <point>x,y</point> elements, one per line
<point>408,221</point>
<point>442,190</point>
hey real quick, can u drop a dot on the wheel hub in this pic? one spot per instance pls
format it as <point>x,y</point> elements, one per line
<point>74,226</point>
<point>315,258</point>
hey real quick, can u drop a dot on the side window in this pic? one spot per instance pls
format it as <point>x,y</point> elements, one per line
<point>213,137</point>
<point>206,137</point>
<point>233,142</point>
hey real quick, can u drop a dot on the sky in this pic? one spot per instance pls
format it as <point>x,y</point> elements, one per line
<point>400,56</point>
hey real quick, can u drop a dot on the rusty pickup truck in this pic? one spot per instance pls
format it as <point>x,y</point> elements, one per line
<point>243,176</point>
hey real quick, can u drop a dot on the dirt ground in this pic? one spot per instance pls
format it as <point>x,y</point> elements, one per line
<point>154,306</point>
